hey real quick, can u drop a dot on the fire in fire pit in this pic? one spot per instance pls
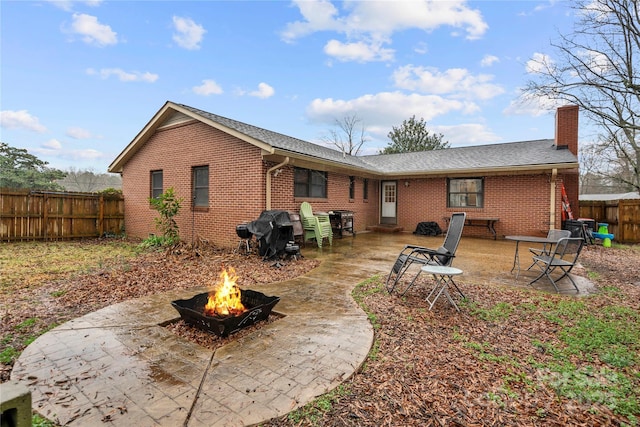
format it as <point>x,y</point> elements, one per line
<point>226,299</point>
<point>227,309</point>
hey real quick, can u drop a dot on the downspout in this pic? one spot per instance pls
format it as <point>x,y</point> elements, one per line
<point>278,166</point>
<point>552,201</point>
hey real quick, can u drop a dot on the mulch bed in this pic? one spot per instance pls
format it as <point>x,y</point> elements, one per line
<point>438,367</point>
<point>212,341</point>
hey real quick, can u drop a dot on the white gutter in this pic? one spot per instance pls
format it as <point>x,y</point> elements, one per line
<point>552,199</point>
<point>276,167</point>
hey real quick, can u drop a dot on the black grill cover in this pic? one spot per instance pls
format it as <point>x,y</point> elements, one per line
<point>273,229</point>
<point>428,228</point>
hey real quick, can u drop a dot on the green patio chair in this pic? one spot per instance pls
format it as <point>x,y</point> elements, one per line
<point>316,226</point>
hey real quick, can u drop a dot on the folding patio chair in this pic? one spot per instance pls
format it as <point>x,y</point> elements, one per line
<point>548,247</point>
<point>563,258</point>
<point>419,256</point>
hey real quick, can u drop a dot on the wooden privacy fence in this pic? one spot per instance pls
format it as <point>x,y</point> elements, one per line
<point>623,217</point>
<point>42,215</point>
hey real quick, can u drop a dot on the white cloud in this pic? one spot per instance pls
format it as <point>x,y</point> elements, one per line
<point>467,134</point>
<point>530,105</point>
<point>124,76</point>
<point>20,120</point>
<point>264,91</point>
<point>596,61</point>
<point>188,34</point>
<point>68,4</point>
<point>489,60</point>
<point>54,148</point>
<point>78,133</point>
<point>92,31</point>
<point>380,19</point>
<point>86,154</point>
<point>358,51</point>
<point>386,108</point>
<point>382,111</point>
<point>52,144</point>
<point>539,63</point>
<point>319,15</point>
<point>208,87</point>
<point>457,82</point>
<point>421,48</point>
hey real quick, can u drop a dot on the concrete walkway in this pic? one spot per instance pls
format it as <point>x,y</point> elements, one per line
<point>120,365</point>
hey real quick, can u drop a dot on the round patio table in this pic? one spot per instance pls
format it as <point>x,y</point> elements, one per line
<point>444,276</point>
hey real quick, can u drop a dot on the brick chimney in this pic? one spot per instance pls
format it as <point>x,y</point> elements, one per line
<point>567,128</point>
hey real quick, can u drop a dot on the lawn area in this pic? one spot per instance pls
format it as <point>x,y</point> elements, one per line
<point>25,265</point>
<point>27,268</point>
<point>513,356</point>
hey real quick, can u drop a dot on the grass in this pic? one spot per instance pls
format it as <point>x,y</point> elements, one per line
<point>595,358</point>
<point>33,264</point>
<point>314,411</point>
<point>30,264</point>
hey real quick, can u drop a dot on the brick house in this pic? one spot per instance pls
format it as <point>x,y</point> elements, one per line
<point>228,172</point>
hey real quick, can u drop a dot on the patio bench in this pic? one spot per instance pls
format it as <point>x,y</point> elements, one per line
<point>488,223</point>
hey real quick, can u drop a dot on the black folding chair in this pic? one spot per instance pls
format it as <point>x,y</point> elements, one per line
<point>418,256</point>
<point>547,248</point>
<point>563,258</point>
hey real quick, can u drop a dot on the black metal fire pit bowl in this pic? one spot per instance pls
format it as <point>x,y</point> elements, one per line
<point>258,307</point>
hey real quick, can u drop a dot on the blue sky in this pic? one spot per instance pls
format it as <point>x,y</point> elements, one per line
<point>80,79</point>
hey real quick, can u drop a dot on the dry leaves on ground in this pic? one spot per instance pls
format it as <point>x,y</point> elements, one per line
<point>434,367</point>
<point>36,309</point>
<point>443,368</point>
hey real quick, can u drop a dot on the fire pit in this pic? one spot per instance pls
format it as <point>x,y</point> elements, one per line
<point>227,309</point>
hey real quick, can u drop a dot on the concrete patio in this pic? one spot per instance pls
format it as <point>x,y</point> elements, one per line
<point>120,365</point>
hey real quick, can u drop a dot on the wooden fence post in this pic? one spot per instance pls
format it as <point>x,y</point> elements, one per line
<point>101,216</point>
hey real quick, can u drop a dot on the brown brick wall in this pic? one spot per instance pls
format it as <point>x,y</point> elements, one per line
<point>365,211</point>
<point>567,127</point>
<point>520,202</point>
<point>237,181</point>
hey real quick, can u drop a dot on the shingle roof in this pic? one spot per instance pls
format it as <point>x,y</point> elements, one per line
<point>281,141</point>
<point>498,156</point>
<point>493,156</point>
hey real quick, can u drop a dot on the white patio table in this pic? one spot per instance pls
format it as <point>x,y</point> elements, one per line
<point>443,276</point>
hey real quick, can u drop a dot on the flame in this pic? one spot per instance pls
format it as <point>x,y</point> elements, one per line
<point>225,300</point>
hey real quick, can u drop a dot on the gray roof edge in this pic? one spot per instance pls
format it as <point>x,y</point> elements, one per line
<point>372,163</point>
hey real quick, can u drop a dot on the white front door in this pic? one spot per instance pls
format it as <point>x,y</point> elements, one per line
<point>388,203</point>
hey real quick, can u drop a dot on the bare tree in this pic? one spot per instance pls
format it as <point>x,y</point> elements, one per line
<point>597,69</point>
<point>593,179</point>
<point>349,135</point>
<point>88,181</point>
